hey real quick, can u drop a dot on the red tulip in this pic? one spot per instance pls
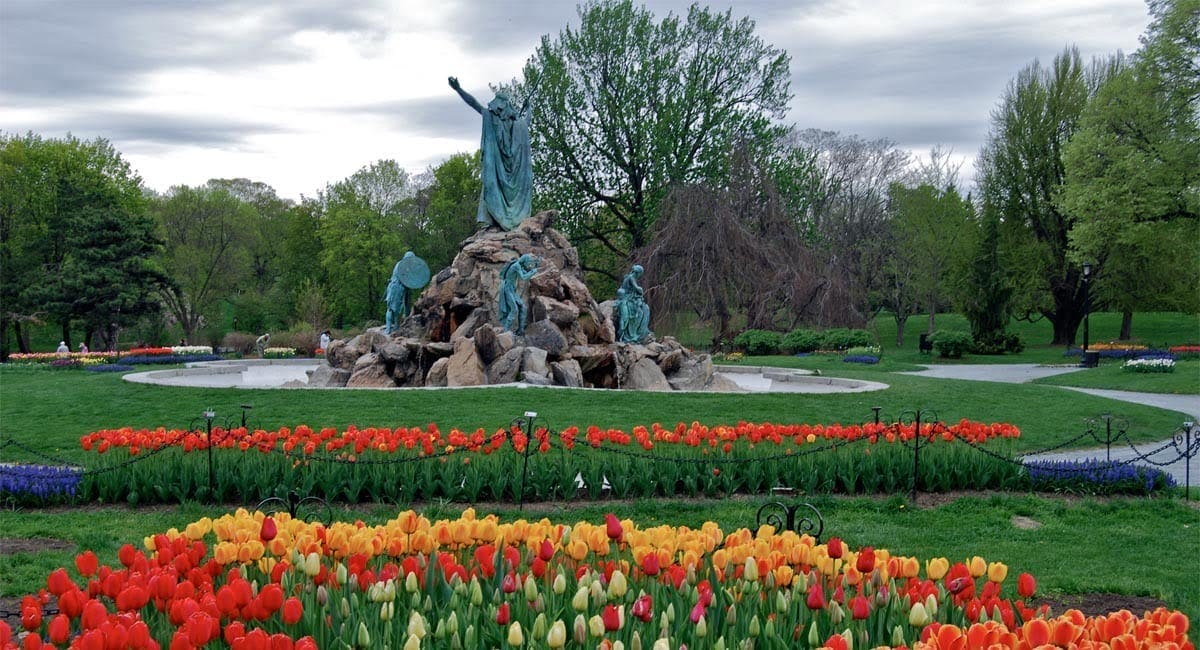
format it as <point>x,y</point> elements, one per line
<point>866,560</point>
<point>293,609</point>
<point>612,526</point>
<point>86,563</point>
<point>508,584</point>
<point>94,614</point>
<point>650,564</point>
<point>58,582</point>
<point>502,614</point>
<point>816,597</point>
<point>31,618</point>
<point>34,642</point>
<point>281,641</point>
<point>1026,585</point>
<point>305,643</point>
<point>269,530</point>
<point>835,547</point>
<point>271,597</point>
<point>643,608</point>
<point>546,550</point>
<point>611,618</point>
<point>132,598</point>
<point>859,608</point>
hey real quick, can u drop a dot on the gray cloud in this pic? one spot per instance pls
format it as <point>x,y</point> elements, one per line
<point>57,51</point>
<point>157,131</point>
<point>433,117</point>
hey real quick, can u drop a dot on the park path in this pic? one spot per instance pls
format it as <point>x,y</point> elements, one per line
<point>1166,449</point>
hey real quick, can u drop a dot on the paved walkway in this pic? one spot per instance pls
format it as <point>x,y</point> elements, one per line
<point>1188,405</point>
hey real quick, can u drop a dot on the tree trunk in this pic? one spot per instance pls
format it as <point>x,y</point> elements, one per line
<point>1065,327</point>
<point>932,315</point>
<point>900,320</point>
<point>1126,325</point>
<point>22,337</point>
<point>66,332</point>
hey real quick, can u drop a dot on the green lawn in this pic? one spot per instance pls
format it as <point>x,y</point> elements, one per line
<point>1109,375</point>
<point>49,410</point>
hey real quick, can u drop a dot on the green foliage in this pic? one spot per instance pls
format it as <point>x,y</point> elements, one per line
<point>951,345</point>
<point>206,231</point>
<point>801,340</point>
<point>627,104</point>
<point>450,216</point>
<point>75,242</point>
<point>1020,174</point>
<point>841,338</point>
<point>759,342</point>
<point>1132,172</point>
<point>999,344</point>
<point>360,237</point>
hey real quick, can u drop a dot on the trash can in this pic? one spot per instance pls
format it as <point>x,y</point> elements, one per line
<point>1091,359</point>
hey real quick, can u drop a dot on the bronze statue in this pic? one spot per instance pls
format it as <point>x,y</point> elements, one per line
<point>506,167</point>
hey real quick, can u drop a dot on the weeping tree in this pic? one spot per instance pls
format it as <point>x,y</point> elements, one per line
<point>722,251</point>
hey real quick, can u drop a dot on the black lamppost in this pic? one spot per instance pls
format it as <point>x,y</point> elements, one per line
<point>1087,308</point>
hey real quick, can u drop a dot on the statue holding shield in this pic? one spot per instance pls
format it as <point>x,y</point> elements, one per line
<point>411,272</point>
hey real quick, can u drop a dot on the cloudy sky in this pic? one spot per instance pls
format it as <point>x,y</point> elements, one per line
<point>301,93</point>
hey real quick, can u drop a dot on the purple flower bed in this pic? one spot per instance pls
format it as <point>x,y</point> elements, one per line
<point>38,483</point>
<point>168,359</point>
<point>1095,476</point>
<point>110,367</point>
<point>860,358</point>
<point>1155,354</point>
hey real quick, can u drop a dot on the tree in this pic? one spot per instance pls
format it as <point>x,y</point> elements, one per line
<point>206,232</point>
<point>724,250</point>
<point>1133,172</point>
<point>360,226</point>
<point>1021,173</point>
<point>74,240</point>
<point>929,228</point>
<point>450,214</point>
<point>848,217</point>
<point>987,298</point>
<point>627,106</point>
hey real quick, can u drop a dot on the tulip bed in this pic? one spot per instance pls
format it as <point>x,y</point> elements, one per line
<point>425,464</point>
<point>255,581</point>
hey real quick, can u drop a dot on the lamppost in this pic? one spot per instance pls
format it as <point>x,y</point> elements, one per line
<point>1087,308</point>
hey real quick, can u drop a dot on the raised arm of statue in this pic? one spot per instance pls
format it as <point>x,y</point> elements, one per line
<point>466,96</point>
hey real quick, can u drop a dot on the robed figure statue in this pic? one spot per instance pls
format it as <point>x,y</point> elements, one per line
<point>631,311</point>
<point>506,169</point>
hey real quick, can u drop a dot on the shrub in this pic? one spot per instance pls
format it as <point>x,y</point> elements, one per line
<point>240,342</point>
<point>759,342</point>
<point>951,345</point>
<point>801,340</point>
<point>841,338</point>
<point>301,336</point>
<point>1000,343</point>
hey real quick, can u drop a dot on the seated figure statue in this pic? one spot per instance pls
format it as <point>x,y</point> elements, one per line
<point>633,314</point>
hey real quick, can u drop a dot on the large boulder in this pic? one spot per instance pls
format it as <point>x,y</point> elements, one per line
<point>326,376</point>
<point>465,367</point>
<point>437,373</point>
<point>567,373</point>
<point>545,335</point>
<point>505,369</point>
<point>533,360</point>
<point>370,372</point>
<point>645,375</point>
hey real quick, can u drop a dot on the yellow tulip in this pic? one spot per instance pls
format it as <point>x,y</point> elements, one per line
<point>661,644</point>
<point>596,626</point>
<point>557,637</point>
<point>751,571</point>
<point>617,586</point>
<point>413,643</point>
<point>416,623</point>
<point>580,600</point>
<point>936,568</point>
<point>515,636</point>
<point>977,567</point>
<point>917,616</point>
<point>997,571</point>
